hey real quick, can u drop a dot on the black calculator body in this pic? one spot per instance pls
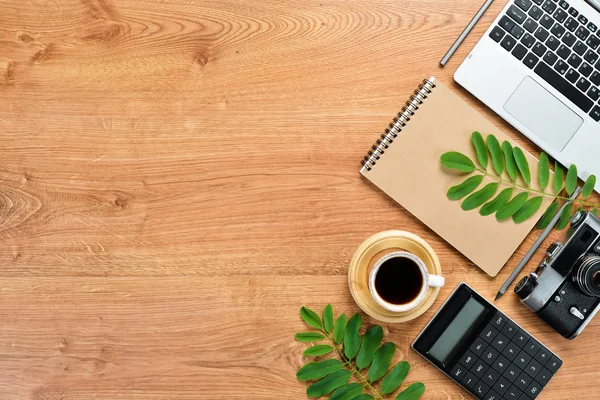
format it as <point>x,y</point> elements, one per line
<point>484,351</point>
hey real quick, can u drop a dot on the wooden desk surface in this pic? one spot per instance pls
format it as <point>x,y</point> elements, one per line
<point>179,177</point>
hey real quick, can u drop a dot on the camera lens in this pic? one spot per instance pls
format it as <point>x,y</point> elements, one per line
<point>525,287</point>
<point>588,276</point>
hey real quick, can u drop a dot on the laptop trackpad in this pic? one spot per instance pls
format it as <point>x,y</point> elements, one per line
<point>542,113</point>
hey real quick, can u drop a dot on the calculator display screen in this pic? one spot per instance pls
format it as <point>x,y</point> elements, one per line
<point>456,330</point>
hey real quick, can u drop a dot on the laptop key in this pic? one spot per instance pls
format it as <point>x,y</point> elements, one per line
<point>560,15</point>
<point>517,14</point>
<point>573,12</point>
<point>561,67</point>
<point>580,48</point>
<point>569,39</point>
<point>523,4</point>
<point>582,33</point>
<point>571,24</point>
<point>549,6</point>
<point>528,40</point>
<point>541,34</point>
<point>574,60</point>
<point>592,27</point>
<point>572,75</point>
<point>590,57</point>
<point>546,21</point>
<point>530,60</point>
<point>595,78</point>
<point>508,42</point>
<point>564,5</point>
<point>550,58</point>
<point>530,25</point>
<point>552,43</point>
<point>558,30</point>
<point>593,41</point>
<point>535,12</point>
<point>506,23</point>
<point>583,84</point>
<point>497,34</point>
<point>517,31</point>
<point>586,69</point>
<point>519,51</point>
<point>539,49</point>
<point>582,19</point>
<point>563,86</point>
<point>563,51</point>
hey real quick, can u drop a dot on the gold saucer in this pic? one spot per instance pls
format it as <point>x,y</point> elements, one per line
<point>371,250</point>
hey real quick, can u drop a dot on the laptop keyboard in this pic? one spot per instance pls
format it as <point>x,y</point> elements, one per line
<point>559,44</point>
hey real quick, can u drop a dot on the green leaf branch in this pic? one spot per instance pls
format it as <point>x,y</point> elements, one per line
<point>357,353</point>
<point>516,199</point>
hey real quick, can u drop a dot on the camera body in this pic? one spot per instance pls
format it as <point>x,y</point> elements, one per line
<point>565,288</point>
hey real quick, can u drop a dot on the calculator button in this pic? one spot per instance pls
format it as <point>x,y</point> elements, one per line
<point>543,376</point>
<point>510,329</point>
<point>521,338</point>
<point>554,364</point>
<point>490,377</point>
<point>500,342</point>
<point>499,320</point>
<point>488,334</point>
<point>543,355</point>
<point>512,393</point>
<point>457,372</point>
<point>533,390</point>
<point>532,347</point>
<point>501,364</point>
<point>478,347</point>
<point>501,385</point>
<point>533,369</point>
<point>523,381</point>
<point>510,351</point>
<point>522,360</point>
<point>469,380</point>
<point>490,355</point>
<point>511,373</point>
<point>491,395</point>
<point>468,359</point>
<point>479,369</point>
<point>480,389</point>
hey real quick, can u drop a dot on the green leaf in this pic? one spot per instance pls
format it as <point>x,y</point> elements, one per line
<point>565,216</point>
<point>307,337</point>
<point>329,383</point>
<point>311,317</point>
<point>509,158</point>
<point>559,174</point>
<point>394,379</point>
<point>571,181</point>
<point>459,191</point>
<point>544,170</point>
<point>318,350</point>
<point>363,396</point>
<point>496,152</point>
<point>352,337</point>
<point>413,392</point>
<point>522,164</point>
<point>547,216</point>
<point>588,187</point>
<point>479,197</point>
<point>347,392</point>
<point>511,207</point>
<point>494,205</point>
<point>318,370</point>
<point>530,207</point>
<point>370,344</point>
<point>381,361</point>
<point>339,329</point>
<point>480,149</point>
<point>594,211</point>
<point>328,318</point>
<point>458,161</point>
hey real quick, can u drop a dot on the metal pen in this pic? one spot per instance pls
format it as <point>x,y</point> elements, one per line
<point>536,245</point>
<point>465,32</point>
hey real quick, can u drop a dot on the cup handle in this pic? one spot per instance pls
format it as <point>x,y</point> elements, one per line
<point>436,281</point>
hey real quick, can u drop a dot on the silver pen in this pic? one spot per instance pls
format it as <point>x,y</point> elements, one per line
<point>465,32</point>
<point>536,244</point>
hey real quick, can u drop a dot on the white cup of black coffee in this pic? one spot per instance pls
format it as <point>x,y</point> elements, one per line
<point>399,281</point>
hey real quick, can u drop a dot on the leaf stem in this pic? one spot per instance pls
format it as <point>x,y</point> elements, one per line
<point>530,190</point>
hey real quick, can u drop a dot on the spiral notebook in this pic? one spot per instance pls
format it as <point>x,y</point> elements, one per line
<point>405,164</point>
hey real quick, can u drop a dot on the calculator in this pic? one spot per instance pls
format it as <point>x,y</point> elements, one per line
<point>484,351</point>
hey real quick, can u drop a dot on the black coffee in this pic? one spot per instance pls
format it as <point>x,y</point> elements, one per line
<point>399,280</point>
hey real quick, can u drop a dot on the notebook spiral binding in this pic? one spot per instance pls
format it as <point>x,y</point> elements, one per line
<point>395,127</point>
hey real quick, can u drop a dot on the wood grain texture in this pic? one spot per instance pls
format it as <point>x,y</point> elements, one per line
<point>179,177</point>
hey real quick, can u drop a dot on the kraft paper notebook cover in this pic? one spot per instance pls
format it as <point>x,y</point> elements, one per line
<point>407,167</point>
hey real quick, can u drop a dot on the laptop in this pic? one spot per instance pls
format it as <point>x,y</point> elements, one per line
<point>538,67</point>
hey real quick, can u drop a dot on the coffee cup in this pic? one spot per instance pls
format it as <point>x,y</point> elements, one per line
<point>399,281</point>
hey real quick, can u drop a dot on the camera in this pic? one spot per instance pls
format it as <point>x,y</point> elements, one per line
<point>565,288</point>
